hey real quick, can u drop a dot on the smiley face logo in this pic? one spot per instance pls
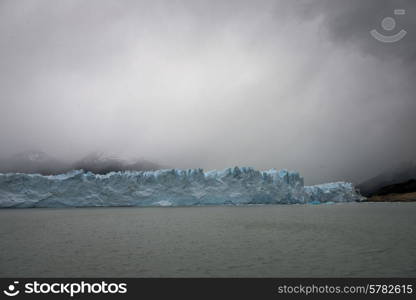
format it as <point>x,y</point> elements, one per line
<point>11,289</point>
<point>388,24</point>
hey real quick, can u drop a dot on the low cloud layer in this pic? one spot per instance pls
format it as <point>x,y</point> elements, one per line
<point>285,84</point>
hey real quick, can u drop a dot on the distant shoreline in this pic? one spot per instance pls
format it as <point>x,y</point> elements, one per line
<point>394,197</point>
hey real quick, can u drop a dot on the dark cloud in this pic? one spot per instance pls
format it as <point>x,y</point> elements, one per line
<point>285,84</point>
<point>348,23</point>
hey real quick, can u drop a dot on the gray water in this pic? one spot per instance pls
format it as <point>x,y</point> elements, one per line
<point>353,239</point>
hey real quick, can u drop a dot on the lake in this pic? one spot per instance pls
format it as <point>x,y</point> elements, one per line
<point>327,240</point>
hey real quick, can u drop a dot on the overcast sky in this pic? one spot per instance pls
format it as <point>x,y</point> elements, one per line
<point>286,84</point>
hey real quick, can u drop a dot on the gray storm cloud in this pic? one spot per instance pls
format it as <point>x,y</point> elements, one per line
<point>286,84</point>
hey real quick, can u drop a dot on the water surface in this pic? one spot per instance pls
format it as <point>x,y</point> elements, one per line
<point>352,239</point>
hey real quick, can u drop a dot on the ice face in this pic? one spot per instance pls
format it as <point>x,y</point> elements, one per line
<point>172,187</point>
<point>333,192</point>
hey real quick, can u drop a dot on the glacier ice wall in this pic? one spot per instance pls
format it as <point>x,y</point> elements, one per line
<point>233,186</point>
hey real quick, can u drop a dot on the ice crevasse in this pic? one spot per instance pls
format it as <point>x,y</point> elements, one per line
<point>171,187</point>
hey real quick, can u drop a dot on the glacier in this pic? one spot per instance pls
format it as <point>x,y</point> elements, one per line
<point>170,187</point>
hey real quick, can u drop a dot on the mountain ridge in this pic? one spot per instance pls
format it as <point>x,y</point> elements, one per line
<point>39,162</point>
<point>400,173</point>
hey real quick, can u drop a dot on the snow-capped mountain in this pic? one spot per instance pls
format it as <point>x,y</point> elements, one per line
<point>100,163</point>
<point>35,161</point>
